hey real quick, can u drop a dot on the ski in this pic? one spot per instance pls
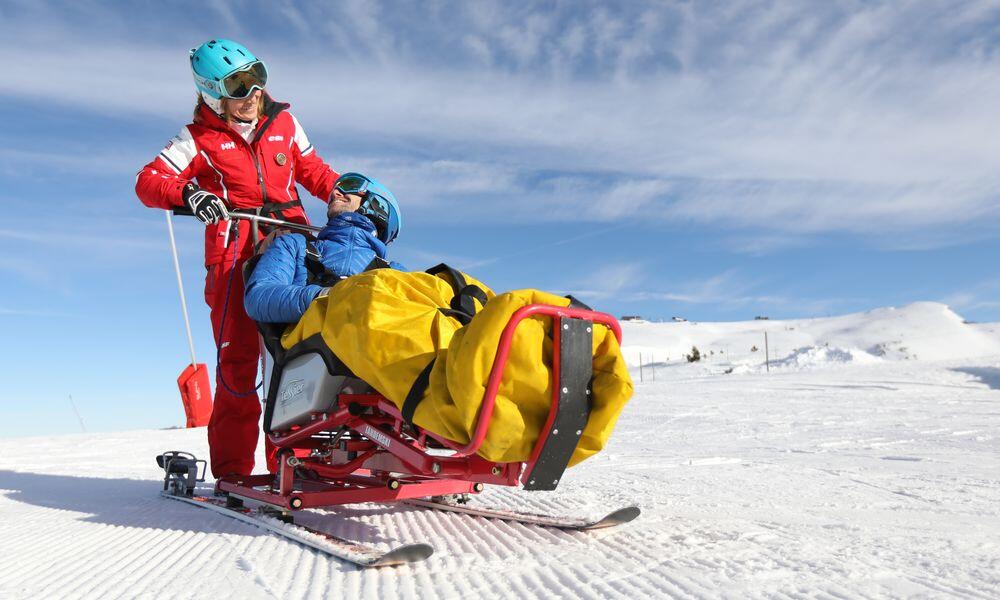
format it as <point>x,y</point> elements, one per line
<point>360,554</point>
<point>612,519</point>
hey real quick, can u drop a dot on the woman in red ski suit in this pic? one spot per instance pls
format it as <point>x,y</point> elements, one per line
<point>226,159</point>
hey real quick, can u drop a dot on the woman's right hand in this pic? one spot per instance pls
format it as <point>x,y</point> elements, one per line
<point>205,205</point>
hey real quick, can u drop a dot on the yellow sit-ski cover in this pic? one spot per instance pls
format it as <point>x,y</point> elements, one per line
<point>386,327</point>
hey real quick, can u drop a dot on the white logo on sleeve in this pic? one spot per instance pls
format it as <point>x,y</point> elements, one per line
<point>228,145</point>
<point>275,138</point>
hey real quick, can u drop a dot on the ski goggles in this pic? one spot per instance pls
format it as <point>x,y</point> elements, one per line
<point>242,83</point>
<point>373,204</point>
<point>352,184</point>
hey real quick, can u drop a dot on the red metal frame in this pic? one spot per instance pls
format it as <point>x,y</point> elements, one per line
<point>375,460</point>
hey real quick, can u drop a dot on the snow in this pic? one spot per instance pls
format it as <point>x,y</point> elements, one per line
<point>865,463</point>
<point>923,330</point>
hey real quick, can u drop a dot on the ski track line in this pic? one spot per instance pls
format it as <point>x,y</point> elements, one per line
<point>219,548</point>
<point>468,533</point>
<point>590,574</point>
<point>107,539</point>
<point>186,552</point>
<point>302,575</point>
<point>321,573</point>
<point>545,568</point>
<point>492,542</point>
<point>78,573</point>
<point>256,549</point>
<point>651,576</point>
<point>296,566</point>
<point>189,550</point>
<point>444,562</point>
<point>132,565</point>
<point>939,585</point>
<point>249,551</point>
<point>136,567</point>
<point>179,545</point>
<point>32,527</point>
<point>30,563</point>
<point>592,550</point>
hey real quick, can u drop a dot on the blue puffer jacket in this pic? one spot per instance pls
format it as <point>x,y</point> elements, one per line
<point>277,291</point>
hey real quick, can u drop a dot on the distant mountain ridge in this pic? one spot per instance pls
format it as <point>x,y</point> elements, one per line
<point>917,331</point>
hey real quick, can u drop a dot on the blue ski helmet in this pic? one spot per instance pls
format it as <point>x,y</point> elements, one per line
<point>377,203</point>
<point>226,69</point>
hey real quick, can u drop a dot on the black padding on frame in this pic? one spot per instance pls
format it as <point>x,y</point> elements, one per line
<point>575,372</point>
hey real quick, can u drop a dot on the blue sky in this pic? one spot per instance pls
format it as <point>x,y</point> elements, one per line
<point>714,160</point>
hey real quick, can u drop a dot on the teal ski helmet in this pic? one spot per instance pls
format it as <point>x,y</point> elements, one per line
<point>226,69</point>
<point>377,203</point>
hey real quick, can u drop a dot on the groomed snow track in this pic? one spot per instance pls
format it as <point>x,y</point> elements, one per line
<point>849,482</point>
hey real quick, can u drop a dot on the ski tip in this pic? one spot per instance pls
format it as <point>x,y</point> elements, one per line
<point>403,555</point>
<point>618,517</point>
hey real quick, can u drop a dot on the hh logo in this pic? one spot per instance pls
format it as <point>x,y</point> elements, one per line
<point>228,145</point>
<point>275,138</point>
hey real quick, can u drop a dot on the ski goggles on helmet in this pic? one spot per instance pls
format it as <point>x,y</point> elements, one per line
<point>240,84</point>
<point>373,205</point>
<point>352,184</point>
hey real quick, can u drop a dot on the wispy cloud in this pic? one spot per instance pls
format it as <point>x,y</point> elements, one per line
<point>610,281</point>
<point>632,283</point>
<point>984,295</point>
<point>17,312</point>
<point>27,269</point>
<point>788,116</point>
<point>835,115</point>
<point>62,240</point>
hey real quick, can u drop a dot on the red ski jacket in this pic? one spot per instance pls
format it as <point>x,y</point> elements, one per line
<point>261,173</point>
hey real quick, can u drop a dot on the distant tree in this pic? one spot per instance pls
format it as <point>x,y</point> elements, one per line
<point>695,355</point>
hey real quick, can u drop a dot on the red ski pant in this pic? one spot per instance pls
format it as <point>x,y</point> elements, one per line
<point>233,429</point>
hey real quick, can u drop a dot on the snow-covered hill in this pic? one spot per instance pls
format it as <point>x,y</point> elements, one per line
<point>874,476</point>
<point>923,330</point>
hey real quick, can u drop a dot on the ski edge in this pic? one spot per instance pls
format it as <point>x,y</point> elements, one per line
<point>614,518</point>
<point>353,552</point>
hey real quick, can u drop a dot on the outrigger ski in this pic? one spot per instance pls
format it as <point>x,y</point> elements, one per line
<point>612,519</point>
<point>360,554</point>
<point>183,472</point>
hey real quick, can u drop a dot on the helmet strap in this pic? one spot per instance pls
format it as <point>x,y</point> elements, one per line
<point>214,103</point>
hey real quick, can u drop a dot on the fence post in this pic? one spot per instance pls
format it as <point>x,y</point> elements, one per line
<point>767,358</point>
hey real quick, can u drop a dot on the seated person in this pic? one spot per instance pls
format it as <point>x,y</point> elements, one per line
<point>364,218</point>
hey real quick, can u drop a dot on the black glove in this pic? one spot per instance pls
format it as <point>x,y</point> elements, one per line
<point>205,205</point>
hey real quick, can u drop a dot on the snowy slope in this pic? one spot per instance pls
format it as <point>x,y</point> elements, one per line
<point>856,479</point>
<point>923,330</point>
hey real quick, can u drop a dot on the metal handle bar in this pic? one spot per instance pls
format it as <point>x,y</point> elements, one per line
<point>252,216</point>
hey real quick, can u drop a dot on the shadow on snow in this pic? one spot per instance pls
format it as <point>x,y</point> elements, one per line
<point>988,375</point>
<point>137,503</point>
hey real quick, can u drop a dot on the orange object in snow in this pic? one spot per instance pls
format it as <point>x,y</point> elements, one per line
<point>196,394</point>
